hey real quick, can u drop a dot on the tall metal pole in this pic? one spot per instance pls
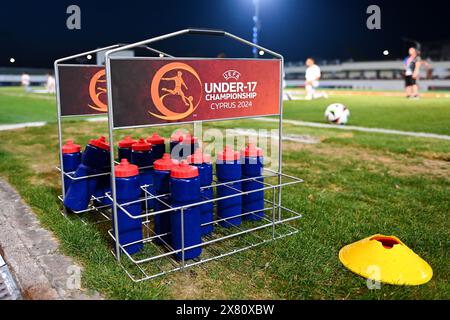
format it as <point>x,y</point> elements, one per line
<point>256,27</point>
<point>111,145</point>
<point>60,140</point>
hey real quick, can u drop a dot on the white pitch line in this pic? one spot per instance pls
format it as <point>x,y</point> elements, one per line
<point>295,138</point>
<point>97,119</point>
<point>15,126</point>
<point>27,95</point>
<point>363,129</point>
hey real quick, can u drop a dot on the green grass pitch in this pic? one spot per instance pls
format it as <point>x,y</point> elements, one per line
<point>356,184</point>
<point>425,115</point>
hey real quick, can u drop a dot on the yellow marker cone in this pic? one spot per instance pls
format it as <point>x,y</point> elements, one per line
<point>385,259</point>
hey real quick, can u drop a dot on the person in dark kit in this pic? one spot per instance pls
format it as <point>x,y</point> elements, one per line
<point>412,70</point>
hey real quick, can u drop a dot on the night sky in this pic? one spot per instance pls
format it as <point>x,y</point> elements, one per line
<point>35,33</point>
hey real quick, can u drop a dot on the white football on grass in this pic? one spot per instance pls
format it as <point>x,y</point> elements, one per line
<point>337,113</point>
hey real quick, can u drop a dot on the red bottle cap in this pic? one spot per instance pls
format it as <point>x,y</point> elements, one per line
<point>126,142</point>
<point>155,139</point>
<point>141,145</point>
<point>165,163</point>
<point>70,147</point>
<point>199,157</point>
<point>228,154</point>
<point>183,171</point>
<point>252,151</point>
<point>100,143</point>
<point>126,169</point>
<point>188,138</point>
<point>176,136</point>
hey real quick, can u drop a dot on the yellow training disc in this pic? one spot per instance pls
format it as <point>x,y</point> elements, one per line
<point>386,259</point>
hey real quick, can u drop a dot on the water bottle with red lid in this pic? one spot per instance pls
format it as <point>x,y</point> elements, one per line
<point>228,169</point>
<point>128,190</point>
<point>124,147</point>
<point>203,162</point>
<point>176,152</point>
<point>252,167</point>
<point>96,154</point>
<point>71,159</point>
<point>158,146</point>
<point>161,182</point>
<point>141,155</point>
<point>185,189</point>
<point>95,160</point>
<point>188,144</point>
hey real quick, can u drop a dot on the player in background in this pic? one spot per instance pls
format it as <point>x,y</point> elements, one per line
<point>50,86</point>
<point>312,77</point>
<point>25,81</point>
<point>413,62</point>
<point>286,94</point>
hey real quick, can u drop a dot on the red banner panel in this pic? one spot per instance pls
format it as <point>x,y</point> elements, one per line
<point>82,90</point>
<point>157,91</point>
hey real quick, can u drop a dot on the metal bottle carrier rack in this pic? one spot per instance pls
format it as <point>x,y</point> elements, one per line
<point>158,259</point>
<point>104,215</point>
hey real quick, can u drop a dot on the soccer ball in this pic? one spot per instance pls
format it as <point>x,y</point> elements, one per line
<point>337,113</point>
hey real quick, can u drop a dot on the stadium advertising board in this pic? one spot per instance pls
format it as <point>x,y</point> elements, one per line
<point>157,91</point>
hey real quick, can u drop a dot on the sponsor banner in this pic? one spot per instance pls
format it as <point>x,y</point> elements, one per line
<point>158,91</point>
<point>82,90</point>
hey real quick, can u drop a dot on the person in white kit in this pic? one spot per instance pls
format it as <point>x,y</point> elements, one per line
<point>25,81</point>
<point>50,85</point>
<point>312,77</point>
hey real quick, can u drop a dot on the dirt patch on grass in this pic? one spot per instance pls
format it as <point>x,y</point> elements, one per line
<point>397,164</point>
<point>45,179</point>
<point>201,283</point>
<point>185,286</point>
<point>436,156</point>
<point>39,161</point>
<point>195,284</point>
<point>36,157</point>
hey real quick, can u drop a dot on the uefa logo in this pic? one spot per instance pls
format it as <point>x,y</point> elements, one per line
<point>231,74</point>
<point>97,91</point>
<point>170,91</point>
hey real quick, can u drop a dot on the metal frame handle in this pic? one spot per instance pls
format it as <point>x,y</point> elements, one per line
<point>209,32</point>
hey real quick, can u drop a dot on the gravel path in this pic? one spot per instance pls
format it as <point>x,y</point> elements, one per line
<point>32,254</point>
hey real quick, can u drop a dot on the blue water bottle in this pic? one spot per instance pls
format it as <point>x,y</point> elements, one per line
<point>161,182</point>
<point>185,189</point>
<point>71,158</point>
<point>94,160</point>
<point>203,163</point>
<point>103,186</point>
<point>158,146</point>
<point>141,155</point>
<point>128,190</point>
<point>252,167</point>
<point>188,145</point>
<point>124,148</point>
<point>228,169</point>
<point>104,181</point>
<point>176,152</point>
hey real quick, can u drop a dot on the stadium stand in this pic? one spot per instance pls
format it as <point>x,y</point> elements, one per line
<point>372,75</point>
